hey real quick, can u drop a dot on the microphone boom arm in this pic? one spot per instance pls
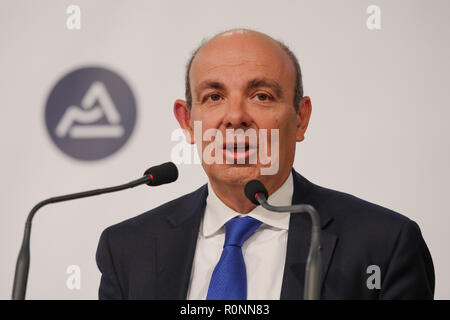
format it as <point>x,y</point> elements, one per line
<point>23,260</point>
<point>313,269</point>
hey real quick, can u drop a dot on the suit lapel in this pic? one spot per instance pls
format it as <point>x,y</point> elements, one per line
<point>176,247</point>
<point>299,239</point>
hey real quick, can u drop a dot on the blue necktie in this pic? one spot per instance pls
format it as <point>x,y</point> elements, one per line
<point>229,278</point>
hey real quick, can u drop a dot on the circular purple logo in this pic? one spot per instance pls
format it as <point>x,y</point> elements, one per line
<point>90,113</point>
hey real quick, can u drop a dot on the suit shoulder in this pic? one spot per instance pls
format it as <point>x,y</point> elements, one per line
<point>154,219</point>
<point>346,207</point>
<point>366,225</point>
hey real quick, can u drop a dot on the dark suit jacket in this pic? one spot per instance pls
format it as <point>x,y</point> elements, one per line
<point>150,256</point>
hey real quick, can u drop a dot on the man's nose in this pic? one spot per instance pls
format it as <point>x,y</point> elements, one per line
<point>237,115</point>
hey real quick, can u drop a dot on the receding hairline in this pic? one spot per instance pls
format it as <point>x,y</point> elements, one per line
<point>231,32</point>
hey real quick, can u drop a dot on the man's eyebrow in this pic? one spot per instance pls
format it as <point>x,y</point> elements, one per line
<point>264,82</point>
<point>208,84</point>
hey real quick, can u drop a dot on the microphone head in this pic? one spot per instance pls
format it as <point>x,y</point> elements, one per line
<point>252,188</point>
<point>164,173</point>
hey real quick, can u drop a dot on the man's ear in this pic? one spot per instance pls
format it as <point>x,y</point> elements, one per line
<point>303,116</point>
<point>181,111</point>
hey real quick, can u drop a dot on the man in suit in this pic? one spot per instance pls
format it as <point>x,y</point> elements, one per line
<point>214,243</point>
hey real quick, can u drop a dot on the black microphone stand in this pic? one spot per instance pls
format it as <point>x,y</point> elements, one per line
<point>23,261</point>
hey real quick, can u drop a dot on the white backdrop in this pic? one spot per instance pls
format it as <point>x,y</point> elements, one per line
<point>379,126</point>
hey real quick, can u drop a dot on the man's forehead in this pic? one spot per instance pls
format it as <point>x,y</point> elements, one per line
<point>235,50</point>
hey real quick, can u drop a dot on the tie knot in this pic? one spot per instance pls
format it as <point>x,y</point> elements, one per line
<point>239,229</point>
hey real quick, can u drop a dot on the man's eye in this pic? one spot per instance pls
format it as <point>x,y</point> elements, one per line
<point>263,97</point>
<point>214,97</point>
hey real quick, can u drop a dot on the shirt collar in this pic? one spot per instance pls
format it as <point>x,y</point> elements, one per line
<point>217,213</point>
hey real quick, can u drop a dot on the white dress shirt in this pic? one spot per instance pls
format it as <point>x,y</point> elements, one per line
<point>264,251</point>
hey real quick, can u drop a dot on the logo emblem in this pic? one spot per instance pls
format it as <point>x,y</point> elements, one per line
<point>90,113</point>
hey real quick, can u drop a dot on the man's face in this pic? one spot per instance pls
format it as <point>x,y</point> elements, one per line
<point>242,81</point>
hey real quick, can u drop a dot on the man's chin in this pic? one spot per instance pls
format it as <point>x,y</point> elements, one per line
<point>234,174</point>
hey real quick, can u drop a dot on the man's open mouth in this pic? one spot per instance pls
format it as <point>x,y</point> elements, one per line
<point>239,151</point>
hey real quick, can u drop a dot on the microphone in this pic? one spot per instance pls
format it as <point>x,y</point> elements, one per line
<point>154,176</point>
<point>162,174</point>
<point>257,193</point>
